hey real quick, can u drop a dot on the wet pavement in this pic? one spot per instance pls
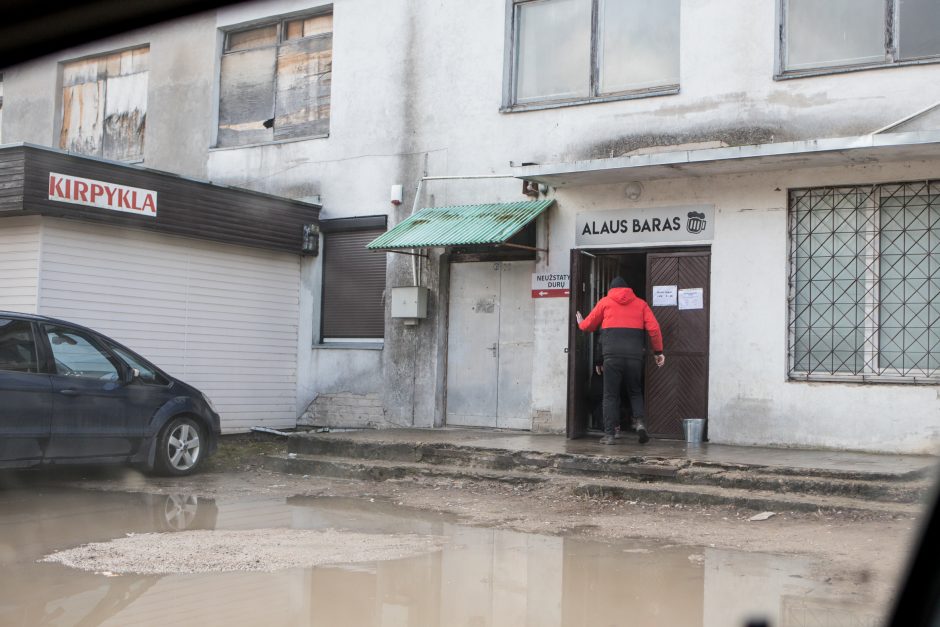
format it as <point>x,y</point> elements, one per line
<point>480,577</point>
<point>780,458</point>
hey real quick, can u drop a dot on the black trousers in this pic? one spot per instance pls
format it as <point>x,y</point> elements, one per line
<point>626,372</point>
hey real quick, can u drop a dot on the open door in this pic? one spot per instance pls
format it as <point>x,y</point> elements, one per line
<point>590,276</point>
<point>578,346</point>
<point>679,389</point>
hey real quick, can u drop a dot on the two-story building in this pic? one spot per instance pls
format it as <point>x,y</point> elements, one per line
<point>763,174</point>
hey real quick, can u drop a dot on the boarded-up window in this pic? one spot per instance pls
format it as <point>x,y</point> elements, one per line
<point>104,105</point>
<point>353,283</point>
<point>275,81</point>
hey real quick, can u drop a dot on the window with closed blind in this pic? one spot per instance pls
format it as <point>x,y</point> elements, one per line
<point>353,298</point>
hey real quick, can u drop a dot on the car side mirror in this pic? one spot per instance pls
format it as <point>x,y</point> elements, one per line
<point>132,375</point>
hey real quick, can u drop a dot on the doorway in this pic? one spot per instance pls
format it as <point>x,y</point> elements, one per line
<point>490,340</point>
<point>679,389</point>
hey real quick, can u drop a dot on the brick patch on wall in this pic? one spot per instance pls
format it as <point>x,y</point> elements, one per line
<point>342,409</point>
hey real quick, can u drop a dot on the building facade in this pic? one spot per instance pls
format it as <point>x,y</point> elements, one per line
<point>792,152</point>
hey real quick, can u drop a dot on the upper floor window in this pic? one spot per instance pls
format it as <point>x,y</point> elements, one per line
<point>826,35</point>
<point>570,51</point>
<point>275,81</point>
<point>104,105</point>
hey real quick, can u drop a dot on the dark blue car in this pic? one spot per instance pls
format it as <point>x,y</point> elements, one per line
<point>71,395</point>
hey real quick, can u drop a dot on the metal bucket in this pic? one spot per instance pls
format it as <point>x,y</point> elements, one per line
<point>694,430</point>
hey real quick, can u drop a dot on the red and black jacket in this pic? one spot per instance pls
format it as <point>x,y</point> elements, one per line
<point>624,321</point>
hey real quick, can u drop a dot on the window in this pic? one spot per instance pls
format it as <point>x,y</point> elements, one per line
<point>275,81</point>
<point>865,283</point>
<point>104,105</point>
<point>849,34</point>
<point>148,374</point>
<point>77,356</point>
<point>353,280</point>
<point>566,51</point>
<point>17,346</point>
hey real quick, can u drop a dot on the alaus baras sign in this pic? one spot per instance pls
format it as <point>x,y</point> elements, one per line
<point>101,194</point>
<point>647,226</point>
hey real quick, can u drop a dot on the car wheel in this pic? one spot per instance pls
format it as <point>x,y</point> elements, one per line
<point>180,448</point>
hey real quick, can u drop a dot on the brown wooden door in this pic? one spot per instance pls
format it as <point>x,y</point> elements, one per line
<point>578,345</point>
<point>679,389</point>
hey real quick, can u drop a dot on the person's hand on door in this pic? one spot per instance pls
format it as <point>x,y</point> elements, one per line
<point>660,360</point>
<point>578,317</point>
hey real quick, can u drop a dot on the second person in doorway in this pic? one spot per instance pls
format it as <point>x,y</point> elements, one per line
<point>624,321</point>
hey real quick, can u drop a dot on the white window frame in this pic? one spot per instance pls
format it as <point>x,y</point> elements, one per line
<point>892,56</point>
<point>510,70</point>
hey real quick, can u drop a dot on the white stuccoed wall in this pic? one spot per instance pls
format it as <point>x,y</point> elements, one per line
<point>417,87</point>
<point>751,400</point>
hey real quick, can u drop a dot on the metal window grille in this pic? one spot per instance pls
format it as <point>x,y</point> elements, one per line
<point>864,285</point>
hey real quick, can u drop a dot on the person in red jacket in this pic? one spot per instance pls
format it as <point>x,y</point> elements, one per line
<point>624,321</point>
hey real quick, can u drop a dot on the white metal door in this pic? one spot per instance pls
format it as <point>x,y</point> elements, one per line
<point>489,345</point>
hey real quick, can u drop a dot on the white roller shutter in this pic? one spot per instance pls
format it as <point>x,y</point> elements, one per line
<point>221,317</point>
<point>19,264</point>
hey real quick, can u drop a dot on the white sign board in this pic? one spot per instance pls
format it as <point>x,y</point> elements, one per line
<point>693,298</point>
<point>659,225</point>
<point>80,191</point>
<point>664,295</point>
<point>547,285</point>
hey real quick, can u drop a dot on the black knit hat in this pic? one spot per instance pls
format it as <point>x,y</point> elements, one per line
<point>618,282</point>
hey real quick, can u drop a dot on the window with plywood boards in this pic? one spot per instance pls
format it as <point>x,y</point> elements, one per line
<point>104,105</point>
<point>275,81</point>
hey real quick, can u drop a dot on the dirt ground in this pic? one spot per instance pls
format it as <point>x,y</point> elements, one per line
<point>869,551</point>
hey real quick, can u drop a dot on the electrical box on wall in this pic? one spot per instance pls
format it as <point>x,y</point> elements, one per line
<point>409,302</point>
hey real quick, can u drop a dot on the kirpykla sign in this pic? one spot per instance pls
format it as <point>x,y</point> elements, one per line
<point>657,225</point>
<point>548,285</point>
<point>92,193</point>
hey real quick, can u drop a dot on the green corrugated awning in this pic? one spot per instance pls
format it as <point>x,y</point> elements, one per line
<point>461,225</point>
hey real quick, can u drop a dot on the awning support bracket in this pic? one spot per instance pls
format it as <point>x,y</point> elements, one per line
<point>524,247</point>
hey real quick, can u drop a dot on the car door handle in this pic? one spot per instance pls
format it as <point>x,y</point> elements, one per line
<point>69,392</point>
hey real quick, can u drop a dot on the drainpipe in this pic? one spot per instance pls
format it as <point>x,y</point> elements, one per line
<point>415,261</point>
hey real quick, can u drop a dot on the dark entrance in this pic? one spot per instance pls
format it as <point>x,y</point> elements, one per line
<point>679,389</point>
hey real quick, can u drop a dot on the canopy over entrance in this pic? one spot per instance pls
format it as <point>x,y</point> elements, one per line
<point>461,225</point>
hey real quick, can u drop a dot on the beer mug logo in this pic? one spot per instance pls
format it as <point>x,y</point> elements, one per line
<point>696,223</point>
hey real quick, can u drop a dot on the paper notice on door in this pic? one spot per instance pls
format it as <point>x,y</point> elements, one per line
<point>664,296</point>
<point>693,298</point>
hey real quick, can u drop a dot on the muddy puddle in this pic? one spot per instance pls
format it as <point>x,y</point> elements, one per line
<point>467,576</point>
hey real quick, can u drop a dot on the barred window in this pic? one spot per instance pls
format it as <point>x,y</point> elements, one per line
<point>865,283</point>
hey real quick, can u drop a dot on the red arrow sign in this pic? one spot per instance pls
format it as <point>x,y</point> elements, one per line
<point>551,293</point>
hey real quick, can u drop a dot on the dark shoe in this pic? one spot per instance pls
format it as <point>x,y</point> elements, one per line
<point>608,439</point>
<point>644,437</point>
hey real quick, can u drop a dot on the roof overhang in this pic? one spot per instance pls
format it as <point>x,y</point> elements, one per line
<point>815,153</point>
<point>461,225</point>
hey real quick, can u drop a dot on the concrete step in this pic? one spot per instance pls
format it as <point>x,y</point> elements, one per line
<point>824,482</point>
<point>633,489</point>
